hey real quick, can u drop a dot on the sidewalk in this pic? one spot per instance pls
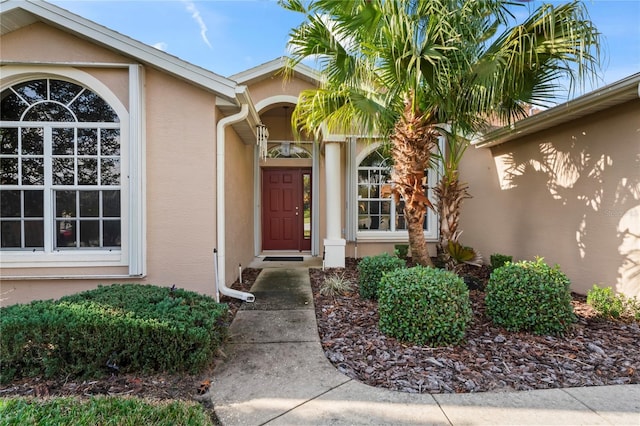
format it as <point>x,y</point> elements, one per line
<point>277,374</point>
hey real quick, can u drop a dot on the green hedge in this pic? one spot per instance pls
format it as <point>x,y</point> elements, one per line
<point>530,296</point>
<point>113,328</point>
<point>424,306</point>
<point>370,272</point>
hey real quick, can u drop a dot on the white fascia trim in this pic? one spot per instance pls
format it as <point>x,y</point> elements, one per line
<point>589,103</point>
<point>114,40</point>
<point>268,68</point>
<point>244,97</point>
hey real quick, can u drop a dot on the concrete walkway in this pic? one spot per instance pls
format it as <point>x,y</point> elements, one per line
<point>276,374</point>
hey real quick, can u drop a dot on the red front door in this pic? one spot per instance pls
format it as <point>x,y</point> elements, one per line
<point>286,209</point>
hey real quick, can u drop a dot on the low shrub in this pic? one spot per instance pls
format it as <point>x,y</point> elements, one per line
<point>498,260</point>
<point>112,328</point>
<point>336,285</point>
<point>607,304</point>
<point>531,296</point>
<point>424,305</point>
<point>371,269</point>
<point>401,250</point>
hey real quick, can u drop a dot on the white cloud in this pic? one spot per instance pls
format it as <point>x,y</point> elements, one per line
<point>161,45</point>
<point>195,14</point>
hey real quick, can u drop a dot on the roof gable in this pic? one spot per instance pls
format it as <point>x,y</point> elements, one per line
<point>16,14</point>
<point>266,70</point>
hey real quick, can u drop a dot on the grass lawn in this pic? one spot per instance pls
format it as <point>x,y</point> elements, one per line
<point>101,411</point>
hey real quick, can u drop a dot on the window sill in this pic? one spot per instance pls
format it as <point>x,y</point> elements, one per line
<point>39,259</point>
<point>390,237</point>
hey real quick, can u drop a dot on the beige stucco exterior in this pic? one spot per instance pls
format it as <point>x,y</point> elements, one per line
<point>180,122</point>
<point>570,194</point>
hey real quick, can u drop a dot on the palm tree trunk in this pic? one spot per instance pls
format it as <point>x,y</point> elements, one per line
<point>450,193</point>
<point>413,141</point>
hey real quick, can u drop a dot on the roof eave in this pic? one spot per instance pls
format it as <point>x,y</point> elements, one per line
<point>267,69</point>
<point>606,97</point>
<point>59,17</point>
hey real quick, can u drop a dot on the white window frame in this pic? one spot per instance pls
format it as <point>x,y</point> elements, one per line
<point>431,233</point>
<point>132,252</point>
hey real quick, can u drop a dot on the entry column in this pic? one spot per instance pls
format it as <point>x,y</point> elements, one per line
<point>334,244</point>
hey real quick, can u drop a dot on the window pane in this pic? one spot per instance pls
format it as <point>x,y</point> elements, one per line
<point>8,171</point>
<point>32,91</point>
<point>66,233</point>
<point>92,108</point>
<point>89,204</point>
<point>63,91</point>
<point>12,106</point>
<point>65,204</point>
<point>87,141</point>
<point>9,141</point>
<point>63,171</point>
<point>10,233</point>
<point>33,171</point>
<point>89,233</point>
<point>111,233</point>
<point>48,111</point>
<point>33,203</point>
<point>62,141</point>
<point>111,203</point>
<point>110,142</point>
<point>110,172</point>
<point>34,233</point>
<point>10,202</point>
<point>87,171</point>
<point>33,141</point>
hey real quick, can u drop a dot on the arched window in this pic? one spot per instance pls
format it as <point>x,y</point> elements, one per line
<point>288,150</point>
<point>60,178</point>
<point>377,208</point>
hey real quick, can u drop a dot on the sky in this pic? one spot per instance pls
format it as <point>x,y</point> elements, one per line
<point>229,36</point>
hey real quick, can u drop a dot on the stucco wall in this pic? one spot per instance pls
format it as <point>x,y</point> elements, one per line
<point>180,175</point>
<point>181,220</point>
<point>239,211</point>
<point>570,194</point>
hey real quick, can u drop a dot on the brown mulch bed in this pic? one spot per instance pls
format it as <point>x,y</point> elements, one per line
<point>594,351</point>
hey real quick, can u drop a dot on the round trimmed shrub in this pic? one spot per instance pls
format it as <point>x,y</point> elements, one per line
<point>530,296</point>
<point>370,272</point>
<point>424,305</point>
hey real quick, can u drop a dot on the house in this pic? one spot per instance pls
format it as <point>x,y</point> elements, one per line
<point>122,163</point>
<point>564,184</point>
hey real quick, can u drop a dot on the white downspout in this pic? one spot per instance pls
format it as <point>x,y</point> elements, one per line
<point>220,277</point>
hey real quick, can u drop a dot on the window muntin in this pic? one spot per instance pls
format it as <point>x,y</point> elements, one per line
<point>377,208</point>
<point>288,150</point>
<point>60,171</point>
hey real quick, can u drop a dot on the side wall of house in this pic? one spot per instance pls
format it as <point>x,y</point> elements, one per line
<point>180,176</point>
<point>570,194</point>
<point>239,212</point>
<point>181,181</point>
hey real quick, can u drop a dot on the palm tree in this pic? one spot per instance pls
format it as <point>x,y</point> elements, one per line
<point>411,70</point>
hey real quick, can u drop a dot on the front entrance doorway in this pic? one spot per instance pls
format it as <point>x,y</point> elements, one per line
<point>286,209</point>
